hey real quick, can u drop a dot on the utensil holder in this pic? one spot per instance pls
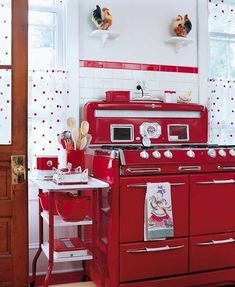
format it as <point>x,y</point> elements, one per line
<point>76,158</point>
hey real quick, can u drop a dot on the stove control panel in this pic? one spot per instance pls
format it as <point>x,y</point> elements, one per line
<point>222,152</point>
<point>211,152</point>
<point>144,154</point>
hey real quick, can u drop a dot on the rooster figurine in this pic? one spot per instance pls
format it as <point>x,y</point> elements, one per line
<point>101,19</point>
<point>182,26</point>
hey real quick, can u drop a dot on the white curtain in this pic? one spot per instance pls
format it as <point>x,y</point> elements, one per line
<point>48,106</point>
<point>222,111</point>
<point>221,84</point>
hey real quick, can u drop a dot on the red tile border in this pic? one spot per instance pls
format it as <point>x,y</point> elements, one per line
<point>136,66</point>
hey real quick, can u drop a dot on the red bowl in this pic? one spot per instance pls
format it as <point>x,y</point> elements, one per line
<point>44,201</point>
<point>73,208</point>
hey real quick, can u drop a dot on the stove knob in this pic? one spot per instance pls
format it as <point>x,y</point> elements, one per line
<point>222,152</point>
<point>190,153</point>
<point>232,152</point>
<point>144,154</point>
<point>211,152</point>
<point>168,154</point>
<point>156,154</point>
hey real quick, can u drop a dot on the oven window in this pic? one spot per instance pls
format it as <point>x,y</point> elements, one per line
<point>121,133</point>
<point>178,132</point>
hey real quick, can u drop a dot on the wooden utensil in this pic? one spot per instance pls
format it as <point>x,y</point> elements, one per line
<point>83,143</point>
<point>84,128</point>
<point>79,139</point>
<point>71,123</point>
<point>75,136</point>
<point>88,138</point>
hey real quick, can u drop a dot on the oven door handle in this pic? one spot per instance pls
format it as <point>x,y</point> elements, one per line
<point>215,242</point>
<point>157,249</point>
<point>225,181</point>
<point>189,168</point>
<point>143,170</point>
<point>145,185</point>
<point>219,167</point>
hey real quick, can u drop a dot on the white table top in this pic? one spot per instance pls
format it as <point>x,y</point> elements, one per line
<point>49,185</point>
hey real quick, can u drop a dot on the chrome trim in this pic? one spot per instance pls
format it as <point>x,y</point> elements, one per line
<point>143,170</point>
<point>225,181</point>
<point>189,168</point>
<point>145,185</point>
<point>215,242</point>
<point>219,167</point>
<point>157,249</point>
<point>122,157</point>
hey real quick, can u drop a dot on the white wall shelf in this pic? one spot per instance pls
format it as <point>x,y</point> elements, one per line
<point>104,35</point>
<point>179,42</point>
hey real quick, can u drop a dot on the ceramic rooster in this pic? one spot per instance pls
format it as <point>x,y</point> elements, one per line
<point>101,19</point>
<point>182,26</point>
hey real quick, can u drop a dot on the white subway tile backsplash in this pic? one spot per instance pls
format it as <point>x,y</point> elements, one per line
<point>86,73</point>
<point>94,82</point>
<point>84,92</point>
<point>103,73</point>
<point>122,74</point>
<point>141,75</point>
<point>113,84</point>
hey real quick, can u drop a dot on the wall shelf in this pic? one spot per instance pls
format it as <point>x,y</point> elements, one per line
<point>104,35</point>
<point>179,42</point>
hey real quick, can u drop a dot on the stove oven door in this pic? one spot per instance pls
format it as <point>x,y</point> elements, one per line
<point>212,201</point>
<point>132,202</point>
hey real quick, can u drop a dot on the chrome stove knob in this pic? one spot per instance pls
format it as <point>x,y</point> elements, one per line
<point>211,152</point>
<point>222,152</point>
<point>232,152</point>
<point>156,154</point>
<point>168,154</point>
<point>144,154</point>
<point>191,153</point>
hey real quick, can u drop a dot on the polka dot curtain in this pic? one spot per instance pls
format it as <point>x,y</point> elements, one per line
<point>5,106</point>
<point>222,111</point>
<point>5,32</point>
<point>48,110</point>
<point>221,104</point>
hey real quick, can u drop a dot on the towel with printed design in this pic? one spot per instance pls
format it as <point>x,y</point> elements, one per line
<point>158,223</point>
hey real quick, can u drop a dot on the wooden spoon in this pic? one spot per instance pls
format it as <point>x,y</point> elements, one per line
<point>88,138</point>
<point>75,136</point>
<point>84,128</point>
<point>71,123</point>
<point>83,143</point>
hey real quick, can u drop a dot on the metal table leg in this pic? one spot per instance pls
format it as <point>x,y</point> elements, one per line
<point>40,230</point>
<point>51,238</point>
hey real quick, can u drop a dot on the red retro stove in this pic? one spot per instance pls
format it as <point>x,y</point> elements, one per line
<point>139,142</point>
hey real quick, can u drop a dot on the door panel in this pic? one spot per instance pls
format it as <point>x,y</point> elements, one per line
<point>13,141</point>
<point>212,198</point>
<point>146,260</point>
<point>132,200</point>
<point>218,249</point>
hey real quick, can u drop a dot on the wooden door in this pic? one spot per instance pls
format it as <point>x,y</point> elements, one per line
<point>13,196</point>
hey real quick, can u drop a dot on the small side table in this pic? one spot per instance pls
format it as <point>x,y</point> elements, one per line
<point>48,248</point>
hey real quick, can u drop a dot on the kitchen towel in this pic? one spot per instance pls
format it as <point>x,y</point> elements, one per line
<point>158,221</point>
